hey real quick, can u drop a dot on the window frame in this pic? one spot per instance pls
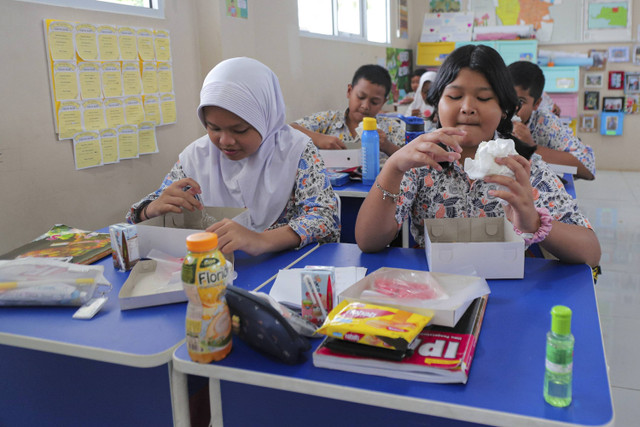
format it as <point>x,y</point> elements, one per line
<point>349,37</point>
<point>99,6</point>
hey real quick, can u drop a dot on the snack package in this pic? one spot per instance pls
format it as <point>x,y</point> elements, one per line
<point>317,292</point>
<point>373,325</point>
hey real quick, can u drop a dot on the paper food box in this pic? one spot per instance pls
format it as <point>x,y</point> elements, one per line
<point>448,295</point>
<point>168,235</point>
<point>344,159</point>
<point>485,247</point>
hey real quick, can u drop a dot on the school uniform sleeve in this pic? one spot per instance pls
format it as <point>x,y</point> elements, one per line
<point>549,192</point>
<point>548,131</point>
<point>176,173</point>
<point>394,130</point>
<point>312,211</point>
<point>321,122</point>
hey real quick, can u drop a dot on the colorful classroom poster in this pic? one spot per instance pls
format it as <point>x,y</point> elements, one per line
<point>152,109</point>
<point>109,144</point>
<point>86,42</point>
<point>237,8</point>
<point>108,43</point>
<point>131,83</point>
<point>165,77</point>
<point>168,108</point>
<point>147,138</point>
<point>133,110</point>
<point>65,80</point>
<point>114,112</point>
<point>86,150</point>
<point>89,77</point>
<point>128,43</point>
<point>145,45</point>
<point>69,119</point>
<point>93,115</point>
<point>60,40</point>
<point>162,45</point>
<point>111,79</point>
<point>128,142</point>
<point>403,19</point>
<point>399,65</point>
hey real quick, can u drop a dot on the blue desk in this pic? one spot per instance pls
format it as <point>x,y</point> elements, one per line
<point>61,371</point>
<point>569,184</point>
<point>505,383</point>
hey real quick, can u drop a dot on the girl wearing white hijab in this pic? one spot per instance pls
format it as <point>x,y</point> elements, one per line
<point>419,107</point>
<point>250,158</point>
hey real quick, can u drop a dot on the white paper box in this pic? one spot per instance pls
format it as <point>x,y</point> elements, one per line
<point>348,158</point>
<point>138,291</point>
<point>485,247</point>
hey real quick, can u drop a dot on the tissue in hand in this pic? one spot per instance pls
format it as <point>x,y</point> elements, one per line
<point>484,162</point>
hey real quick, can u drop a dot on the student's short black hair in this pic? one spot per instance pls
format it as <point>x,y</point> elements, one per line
<point>418,72</point>
<point>488,62</point>
<point>375,74</point>
<point>528,76</point>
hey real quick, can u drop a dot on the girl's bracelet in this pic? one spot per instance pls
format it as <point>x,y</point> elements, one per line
<point>542,232</point>
<point>386,194</point>
<point>144,212</point>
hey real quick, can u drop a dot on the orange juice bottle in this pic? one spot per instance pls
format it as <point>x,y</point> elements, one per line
<point>204,278</point>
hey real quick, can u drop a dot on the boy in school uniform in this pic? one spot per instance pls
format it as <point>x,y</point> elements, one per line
<point>556,142</point>
<point>367,93</point>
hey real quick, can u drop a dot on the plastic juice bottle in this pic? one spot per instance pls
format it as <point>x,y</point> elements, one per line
<point>204,278</point>
<point>370,150</point>
<point>559,360</point>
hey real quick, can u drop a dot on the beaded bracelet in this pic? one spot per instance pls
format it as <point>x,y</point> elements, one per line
<point>542,232</point>
<point>386,194</point>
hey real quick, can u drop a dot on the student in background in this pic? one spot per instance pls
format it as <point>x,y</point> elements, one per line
<point>556,142</point>
<point>420,107</point>
<point>249,158</point>
<point>415,83</point>
<point>547,105</point>
<point>367,93</point>
<point>475,101</point>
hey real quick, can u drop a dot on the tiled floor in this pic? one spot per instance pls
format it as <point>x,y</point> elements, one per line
<point>612,203</point>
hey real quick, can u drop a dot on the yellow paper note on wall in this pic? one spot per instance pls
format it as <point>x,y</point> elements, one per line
<point>65,81</point>
<point>60,37</point>
<point>109,144</point>
<point>86,150</point>
<point>93,115</point>
<point>89,77</point>
<point>114,112</point>
<point>111,79</point>
<point>128,142</point>
<point>128,43</point>
<point>133,110</point>
<point>108,43</point>
<point>69,119</point>
<point>168,108</point>
<point>86,42</point>
<point>165,77</point>
<point>149,78</point>
<point>152,109</point>
<point>162,44</point>
<point>147,138</point>
<point>131,78</point>
<point>145,44</point>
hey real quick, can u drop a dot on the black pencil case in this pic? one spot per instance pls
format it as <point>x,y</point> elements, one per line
<point>263,328</point>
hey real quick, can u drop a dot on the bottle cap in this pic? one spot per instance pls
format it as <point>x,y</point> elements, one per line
<point>369,123</point>
<point>561,320</point>
<point>201,242</point>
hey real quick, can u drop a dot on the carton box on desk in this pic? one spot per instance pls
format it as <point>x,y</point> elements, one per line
<point>485,247</point>
<point>168,235</point>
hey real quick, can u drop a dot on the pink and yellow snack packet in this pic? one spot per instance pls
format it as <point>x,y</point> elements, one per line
<point>373,325</point>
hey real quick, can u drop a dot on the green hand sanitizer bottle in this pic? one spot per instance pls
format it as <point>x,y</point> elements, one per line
<point>559,360</point>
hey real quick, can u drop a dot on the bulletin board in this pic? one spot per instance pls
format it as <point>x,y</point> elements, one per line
<point>111,86</point>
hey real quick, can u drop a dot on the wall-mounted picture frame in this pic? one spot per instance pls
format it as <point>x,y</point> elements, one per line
<point>616,79</point>
<point>632,82</point>
<point>632,103</point>
<point>636,54</point>
<point>588,123</point>
<point>591,100</point>
<point>593,80</point>
<point>619,54</point>
<point>612,103</point>
<point>611,123</point>
<point>599,59</point>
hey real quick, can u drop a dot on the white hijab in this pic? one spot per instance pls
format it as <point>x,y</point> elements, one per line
<point>418,103</point>
<point>262,182</point>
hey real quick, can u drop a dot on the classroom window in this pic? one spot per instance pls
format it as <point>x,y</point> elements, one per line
<point>362,20</point>
<point>148,8</point>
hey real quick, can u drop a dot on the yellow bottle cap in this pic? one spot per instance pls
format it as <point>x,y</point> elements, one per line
<point>369,123</point>
<point>201,242</point>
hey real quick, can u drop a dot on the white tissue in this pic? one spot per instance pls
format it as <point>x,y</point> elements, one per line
<point>484,162</point>
<point>516,119</point>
